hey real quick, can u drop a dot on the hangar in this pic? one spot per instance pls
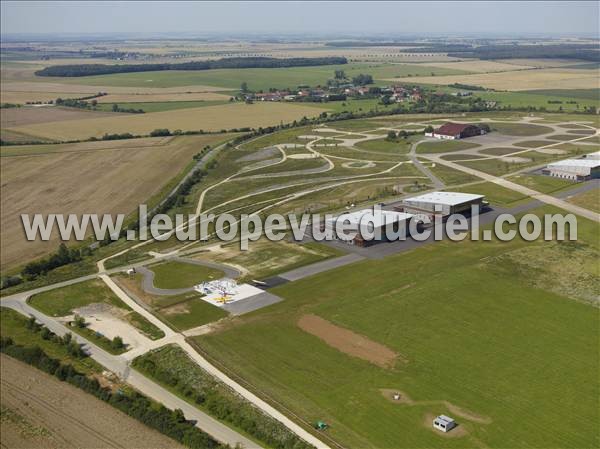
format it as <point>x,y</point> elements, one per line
<point>441,203</point>
<point>574,169</point>
<point>369,221</point>
<point>454,131</point>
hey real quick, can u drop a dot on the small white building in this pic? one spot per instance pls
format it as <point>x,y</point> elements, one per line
<point>368,221</point>
<point>444,423</point>
<point>574,169</point>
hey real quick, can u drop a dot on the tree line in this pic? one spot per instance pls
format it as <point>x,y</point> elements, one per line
<point>73,70</point>
<point>171,423</point>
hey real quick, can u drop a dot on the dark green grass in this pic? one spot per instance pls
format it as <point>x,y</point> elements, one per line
<point>534,143</point>
<point>474,332</point>
<point>444,146</point>
<point>519,129</point>
<point>62,301</point>
<point>541,183</point>
<point>181,275</point>
<point>494,193</point>
<point>190,313</point>
<point>396,146</point>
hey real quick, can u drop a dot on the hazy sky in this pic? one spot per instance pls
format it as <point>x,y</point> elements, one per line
<point>352,18</point>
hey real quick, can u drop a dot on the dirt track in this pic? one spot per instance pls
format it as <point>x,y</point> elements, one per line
<point>347,341</point>
<point>39,411</point>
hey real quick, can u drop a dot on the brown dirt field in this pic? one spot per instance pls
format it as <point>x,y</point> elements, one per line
<point>348,342</point>
<point>39,411</point>
<point>518,80</point>
<point>110,181</point>
<point>54,85</point>
<point>14,117</point>
<point>21,97</point>
<point>145,98</point>
<point>479,66</point>
<point>214,118</point>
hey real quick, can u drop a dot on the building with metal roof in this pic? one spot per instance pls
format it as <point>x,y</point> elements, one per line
<point>442,203</point>
<point>369,221</point>
<point>574,169</point>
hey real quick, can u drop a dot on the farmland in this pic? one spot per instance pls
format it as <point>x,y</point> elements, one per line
<point>55,178</point>
<point>553,78</point>
<point>209,118</point>
<point>257,79</point>
<point>31,417</point>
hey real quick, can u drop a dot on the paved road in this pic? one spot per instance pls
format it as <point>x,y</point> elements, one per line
<point>119,365</point>
<point>437,183</point>
<point>319,267</point>
<point>548,199</point>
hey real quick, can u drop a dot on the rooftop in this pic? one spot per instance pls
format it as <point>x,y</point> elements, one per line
<point>452,129</point>
<point>591,163</point>
<point>379,217</point>
<point>445,419</point>
<point>445,198</point>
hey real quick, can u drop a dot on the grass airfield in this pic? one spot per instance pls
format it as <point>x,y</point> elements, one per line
<point>477,335</point>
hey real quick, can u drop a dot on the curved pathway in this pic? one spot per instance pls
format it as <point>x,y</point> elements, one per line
<point>148,276</point>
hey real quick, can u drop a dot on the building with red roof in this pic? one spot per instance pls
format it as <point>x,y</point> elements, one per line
<point>457,131</point>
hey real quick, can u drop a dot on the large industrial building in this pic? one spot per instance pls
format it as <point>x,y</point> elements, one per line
<point>574,169</point>
<point>452,131</point>
<point>441,203</point>
<point>369,221</point>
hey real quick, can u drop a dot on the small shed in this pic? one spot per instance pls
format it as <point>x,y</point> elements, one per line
<point>444,423</point>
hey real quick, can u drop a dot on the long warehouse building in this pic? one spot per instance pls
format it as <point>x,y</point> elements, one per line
<point>442,203</point>
<point>367,221</point>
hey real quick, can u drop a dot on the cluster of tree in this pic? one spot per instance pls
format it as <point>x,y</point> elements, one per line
<point>223,405</point>
<point>63,256</point>
<point>120,136</point>
<point>73,348</point>
<point>10,281</point>
<point>413,47</point>
<point>466,86</point>
<point>169,422</point>
<point>225,63</point>
<point>117,108</point>
<point>362,79</point>
<point>402,134</point>
<point>9,105</point>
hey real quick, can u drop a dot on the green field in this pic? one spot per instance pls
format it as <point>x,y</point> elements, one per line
<point>181,275</point>
<point>257,79</point>
<point>519,129</point>
<point>396,146</point>
<point>189,313</point>
<point>493,332</point>
<point>494,193</point>
<point>449,175</point>
<point>541,183</point>
<point>444,146</point>
<point>500,167</point>
<point>62,301</point>
<point>590,200</point>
